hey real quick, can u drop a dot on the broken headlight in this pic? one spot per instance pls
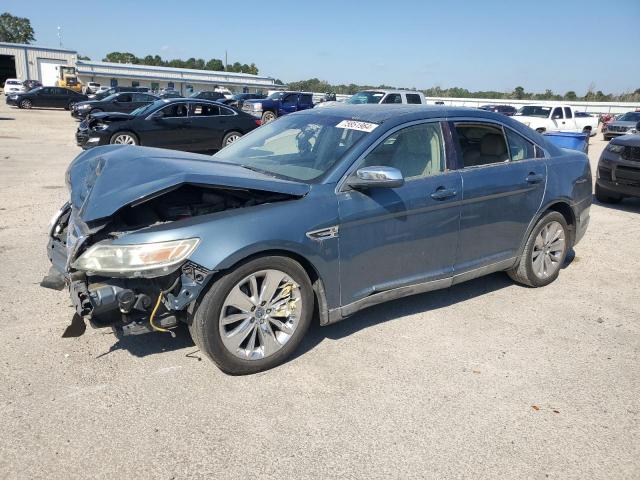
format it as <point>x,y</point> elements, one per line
<point>143,260</point>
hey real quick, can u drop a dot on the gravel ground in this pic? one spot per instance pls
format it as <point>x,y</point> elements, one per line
<point>484,380</point>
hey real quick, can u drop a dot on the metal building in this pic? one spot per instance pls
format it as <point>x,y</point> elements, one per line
<point>29,62</point>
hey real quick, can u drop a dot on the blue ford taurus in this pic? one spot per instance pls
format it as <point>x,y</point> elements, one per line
<point>319,214</point>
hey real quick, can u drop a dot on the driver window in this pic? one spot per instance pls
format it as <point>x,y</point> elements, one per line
<point>557,113</point>
<point>175,110</point>
<point>416,151</point>
<point>124,98</point>
<point>290,99</point>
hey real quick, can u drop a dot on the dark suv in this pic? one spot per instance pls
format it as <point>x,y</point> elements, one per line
<point>619,169</point>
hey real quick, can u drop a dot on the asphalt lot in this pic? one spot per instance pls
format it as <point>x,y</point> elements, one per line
<point>484,380</point>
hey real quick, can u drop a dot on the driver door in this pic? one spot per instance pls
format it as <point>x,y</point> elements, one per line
<point>123,103</point>
<point>394,237</point>
<point>557,117</point>
<point>289,104</point>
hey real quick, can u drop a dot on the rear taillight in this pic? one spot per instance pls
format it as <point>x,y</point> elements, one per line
<point>258,122</point>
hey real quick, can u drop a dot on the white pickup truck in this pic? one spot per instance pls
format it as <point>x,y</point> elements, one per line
<point>555,118</point>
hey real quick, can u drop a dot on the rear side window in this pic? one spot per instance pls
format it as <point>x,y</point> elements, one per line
<point>519,147</point>
<point>204,110</point>
<point>392,98</point>
<point>413,98</point>
<point>481,144</point>
<point>567,113</point>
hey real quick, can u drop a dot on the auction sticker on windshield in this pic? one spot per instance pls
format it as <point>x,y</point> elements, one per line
<point>355,125</point>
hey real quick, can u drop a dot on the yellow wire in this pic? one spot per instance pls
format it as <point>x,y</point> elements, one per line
<point>153,314</point>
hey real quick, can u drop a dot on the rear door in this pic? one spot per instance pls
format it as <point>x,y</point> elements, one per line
<point>207,126</point>
<point>503,188</point>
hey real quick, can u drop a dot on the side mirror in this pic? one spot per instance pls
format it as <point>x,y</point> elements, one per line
<point>376,177</point>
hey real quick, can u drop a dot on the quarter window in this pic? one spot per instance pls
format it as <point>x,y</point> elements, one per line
<point>481,144</point>
<point>392,98</point>
<point>416,151</point>
<point>519,147</point>
<point>413,98</point>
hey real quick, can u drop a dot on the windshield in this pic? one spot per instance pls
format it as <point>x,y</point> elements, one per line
<point>534,111</point>
<point>296,147</point>
<point>275,96</point>
<point>143,110</point>
<point>630,117</point>
<point>366,97</point>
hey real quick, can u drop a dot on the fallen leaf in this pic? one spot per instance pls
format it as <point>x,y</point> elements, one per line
<point>475,371</point>
<point>556,411</point>
<point>535,407</point>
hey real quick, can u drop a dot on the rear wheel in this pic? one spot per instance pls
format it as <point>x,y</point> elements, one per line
<point>26,103</point>
<point>268,117</point>
<point>605,196</point>
<point>124,138</point>
<point>255,316</point>
<point>544,253</point>
<point>230,137</point>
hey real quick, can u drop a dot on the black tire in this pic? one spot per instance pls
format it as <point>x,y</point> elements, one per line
<point>605,138</point>
<point>204,325</point>
<point>69,105</point>
<point>229,136</point>
<point>604,196</point>
<point>268,117</point>
<point>26,104</point>
<point>523,272</point>
<point>541,130</point>
<point>114,137</point>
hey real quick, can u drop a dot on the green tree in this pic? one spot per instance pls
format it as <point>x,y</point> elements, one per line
<point>83,57</point>
<point>15,29</point>
<point>570,95</point>
<point>518,93</point>
<point>214,64</point>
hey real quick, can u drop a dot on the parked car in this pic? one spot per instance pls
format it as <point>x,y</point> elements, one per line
<point>381,97</point>
<point>207,95</point>
<point>192,125</point>
<point>278,104</point>
<point>123,102</point>
<point>111,90</point>
<point>332,209</point>
<point>31,84</point>
<point>51,97</point>
<point>237,100</point>
<point>13,85</point>
<point>619,169</point>
<point>555,118</point>
<point>503,109</point>
<point>92,87</point>
<point>621,125</point>
<point>168,94</point>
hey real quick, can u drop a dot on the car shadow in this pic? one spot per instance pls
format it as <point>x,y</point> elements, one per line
<point>395,309</point>
<point>631,205</point>
<point>152,343</point>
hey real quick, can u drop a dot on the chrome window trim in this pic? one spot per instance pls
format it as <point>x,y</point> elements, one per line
<point>363,155</point>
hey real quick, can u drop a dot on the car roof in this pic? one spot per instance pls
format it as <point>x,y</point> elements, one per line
<point>387,90</point>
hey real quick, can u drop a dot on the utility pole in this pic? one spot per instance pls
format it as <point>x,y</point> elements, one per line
<point>60,36</point>
<point>226,64</point>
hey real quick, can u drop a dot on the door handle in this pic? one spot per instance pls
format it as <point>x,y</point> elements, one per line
<point>534,178</point>
<point>443,193</point>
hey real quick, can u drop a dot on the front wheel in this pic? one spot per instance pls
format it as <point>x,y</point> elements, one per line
<point>255,316</point>
<point>544,253</point>
<point>230,137</point>
<point>26,103</point>
<point>268,117</point>
<point>124,138</point>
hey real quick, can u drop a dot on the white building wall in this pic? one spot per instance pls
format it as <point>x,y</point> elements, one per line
<point>28,58</point>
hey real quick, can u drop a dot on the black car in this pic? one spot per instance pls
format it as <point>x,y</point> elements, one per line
<point>170,94</point>
<point>208,95</point>
<point>619,168</point>
<point>507,110</point>
<point>52,97</point>
<point>238,99</point>
<point>123,102</point>
<point>180,124</point>
<point>31,84</point>
<point>112,90</point>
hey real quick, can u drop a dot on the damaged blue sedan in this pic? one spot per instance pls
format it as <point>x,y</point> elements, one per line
<point>317,215</point>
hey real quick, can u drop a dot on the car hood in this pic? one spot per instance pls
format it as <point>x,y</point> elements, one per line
<point>627,140</point>
<point>111,116</point>
<point>105,179</point>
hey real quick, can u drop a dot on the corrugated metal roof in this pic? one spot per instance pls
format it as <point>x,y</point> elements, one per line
<point>35,47</point>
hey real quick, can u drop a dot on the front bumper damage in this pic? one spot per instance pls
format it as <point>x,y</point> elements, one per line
<point>124,304</point>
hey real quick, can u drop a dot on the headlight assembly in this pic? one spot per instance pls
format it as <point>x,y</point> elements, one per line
<point>83,107</point>
<point>615,148</point>
<point>256,106</point>
<point>146,260</point>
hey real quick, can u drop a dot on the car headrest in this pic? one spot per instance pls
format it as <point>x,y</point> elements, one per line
<point>492,144</point>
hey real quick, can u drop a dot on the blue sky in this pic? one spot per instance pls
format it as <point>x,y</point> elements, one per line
<point>480,45</point>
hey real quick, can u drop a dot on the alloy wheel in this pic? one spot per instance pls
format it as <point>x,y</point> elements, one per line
<point>124,139</point>
<point>260,314</point>
<point>548,250</point>
<point>231,139</point>
<point>25,103</point>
